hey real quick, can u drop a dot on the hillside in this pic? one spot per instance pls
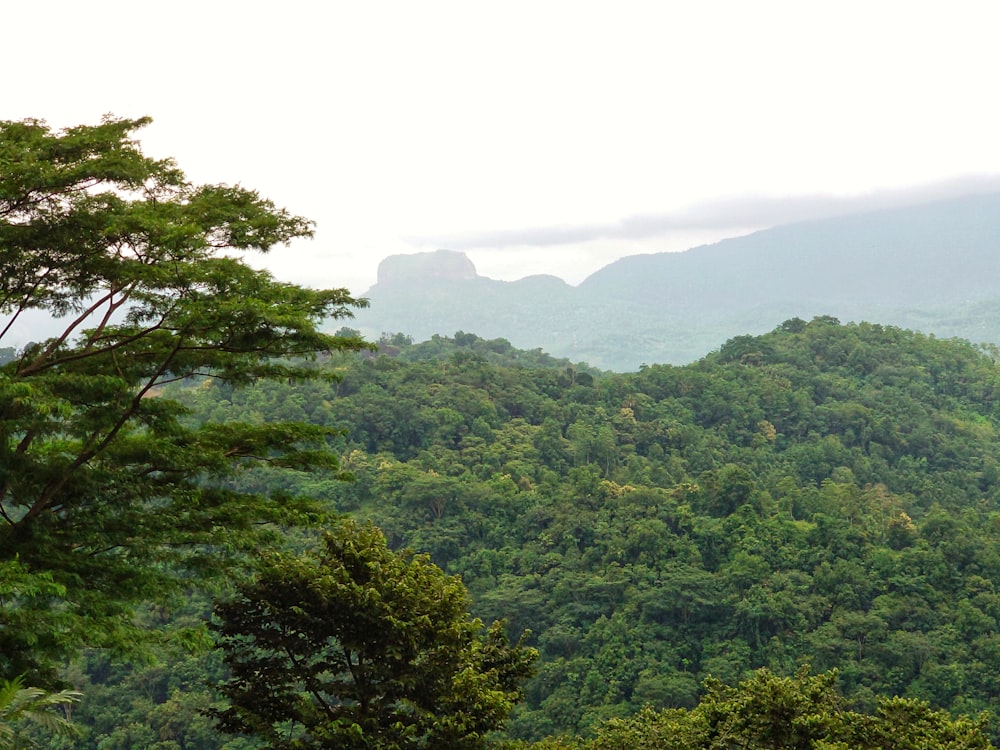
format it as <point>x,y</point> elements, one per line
<point>824,494</point>
<point>932,268</point>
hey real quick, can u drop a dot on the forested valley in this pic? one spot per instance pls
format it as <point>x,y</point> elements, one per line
<point>823,496</point>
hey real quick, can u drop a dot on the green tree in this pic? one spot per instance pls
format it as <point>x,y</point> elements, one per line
<point>359,646</point>
<point>105,490</point>
<point>804,711</point>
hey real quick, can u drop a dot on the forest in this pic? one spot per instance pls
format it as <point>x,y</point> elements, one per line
<point>224,528</point>
<point>820,497</point>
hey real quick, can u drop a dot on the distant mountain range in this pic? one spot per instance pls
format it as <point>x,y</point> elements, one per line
<point>933,267</point>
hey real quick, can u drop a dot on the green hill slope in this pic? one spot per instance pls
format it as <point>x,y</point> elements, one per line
<point>823,494</point>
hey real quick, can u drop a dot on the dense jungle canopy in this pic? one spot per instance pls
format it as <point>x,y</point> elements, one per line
<point>825,494</point>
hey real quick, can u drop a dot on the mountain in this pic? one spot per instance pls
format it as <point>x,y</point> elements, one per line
<point>933,267</point>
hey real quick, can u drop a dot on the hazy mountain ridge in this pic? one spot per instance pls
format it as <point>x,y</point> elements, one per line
<point>885,256</point>
<point>932,267</point>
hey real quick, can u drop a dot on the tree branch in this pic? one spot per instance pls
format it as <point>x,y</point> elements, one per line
<point>48,495</point>
<point>124,294</point>
<point>40,361</point>
<point>24,303</point>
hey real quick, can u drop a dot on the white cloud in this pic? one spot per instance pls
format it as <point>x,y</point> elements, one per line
<point>384,120</point>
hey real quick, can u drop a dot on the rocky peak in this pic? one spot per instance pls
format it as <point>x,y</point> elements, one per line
<point>447,265</point>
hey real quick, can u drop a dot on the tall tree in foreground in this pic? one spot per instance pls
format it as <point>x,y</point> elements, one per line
<point>107,497</point>
<point>363,647</point>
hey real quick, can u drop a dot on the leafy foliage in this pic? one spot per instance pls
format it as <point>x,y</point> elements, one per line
<point>790,713</point>
<point>362,647</point>
<point>108,495</point>
<point>20,704</point>
<point>824,494</point>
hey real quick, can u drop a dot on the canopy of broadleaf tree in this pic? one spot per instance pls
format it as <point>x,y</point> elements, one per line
<point>805,711</point>
<point>359,646</point>
<point>107,496</point>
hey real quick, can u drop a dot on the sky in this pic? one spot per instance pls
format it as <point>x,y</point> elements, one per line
<point>537,137</point>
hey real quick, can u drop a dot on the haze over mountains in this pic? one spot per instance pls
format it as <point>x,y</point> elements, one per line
<point>933,267</point>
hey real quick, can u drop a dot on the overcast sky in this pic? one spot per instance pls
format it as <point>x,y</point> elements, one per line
<point>539,137</point>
